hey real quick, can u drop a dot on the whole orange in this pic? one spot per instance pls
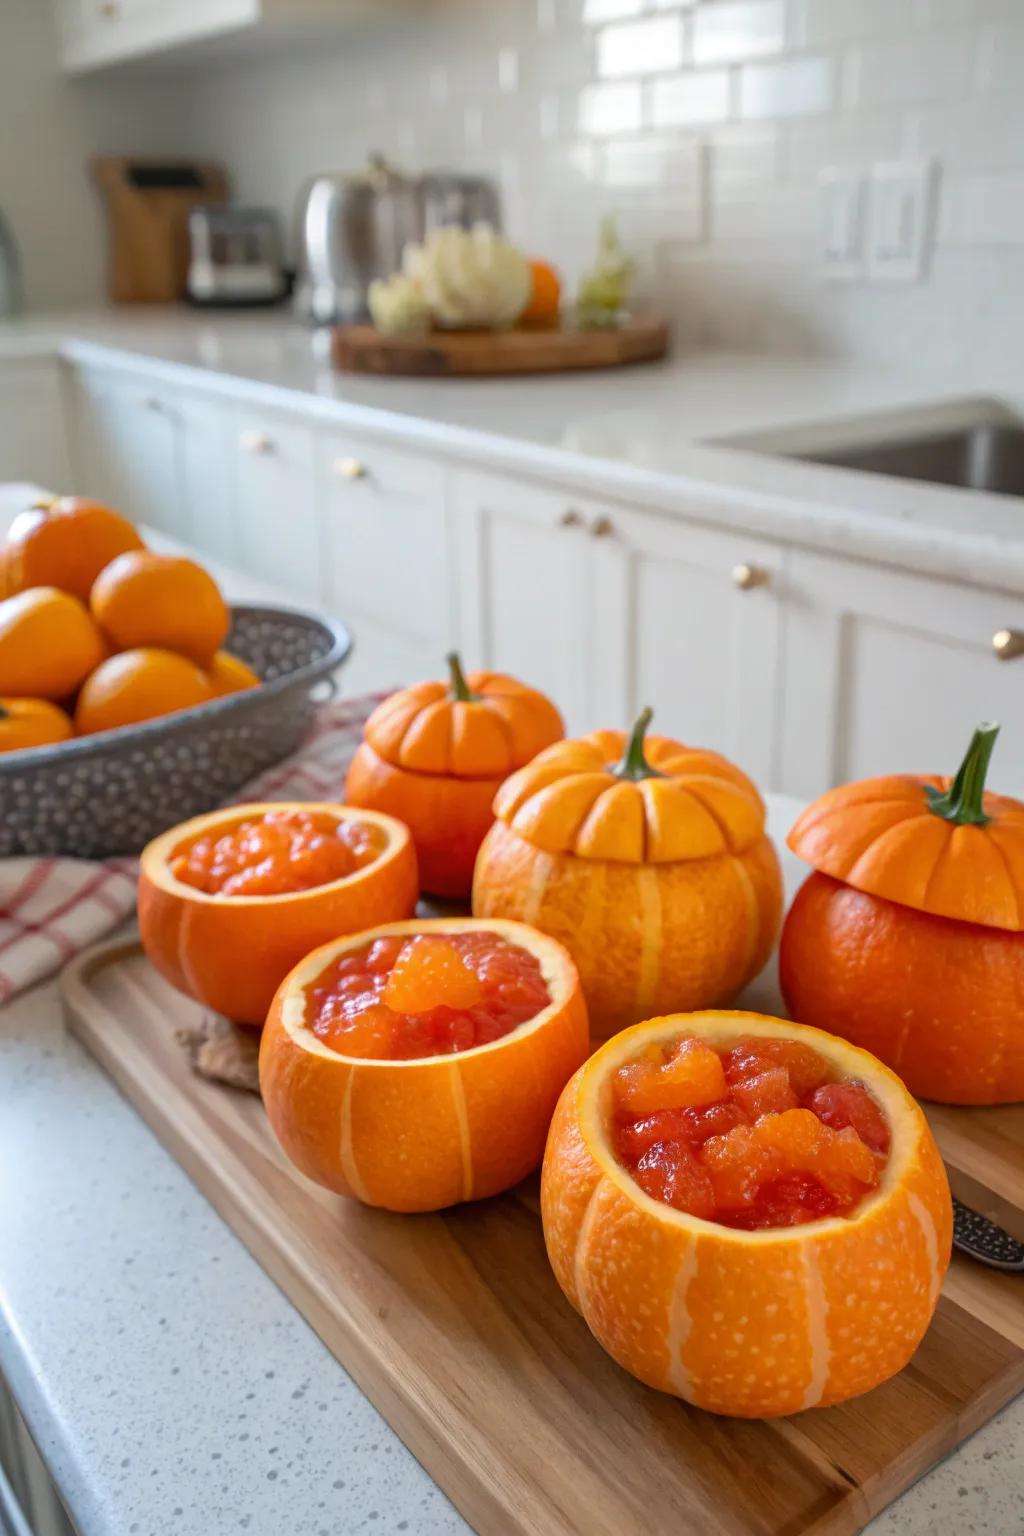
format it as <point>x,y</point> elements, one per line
<point>31,723</point>
<point>65,543</point>
<point>139,685</point>
<point>229,674</point>
<point>545,296</point>
<point>48,643</point>
<point>144,599</point>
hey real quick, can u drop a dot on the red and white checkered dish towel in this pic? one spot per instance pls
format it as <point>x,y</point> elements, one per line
<point>51,909</point>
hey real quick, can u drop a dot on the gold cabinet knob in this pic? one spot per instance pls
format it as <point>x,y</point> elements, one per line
<point>109,9</point>
<point>602,528</point>
<point>350,469</point>
<point>1008,643</point>
<point>255,442</point>
<point>570,518</point>
<point>746,577</point>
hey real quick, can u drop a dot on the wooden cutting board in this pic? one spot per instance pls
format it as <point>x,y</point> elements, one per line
<point>461,354</point>
<point>454,1327</point>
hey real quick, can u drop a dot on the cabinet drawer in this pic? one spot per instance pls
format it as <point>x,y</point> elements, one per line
<point>275,501</point>
<point>386,538</point>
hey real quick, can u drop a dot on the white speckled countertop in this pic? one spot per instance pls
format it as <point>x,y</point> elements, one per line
<point>651,435</point>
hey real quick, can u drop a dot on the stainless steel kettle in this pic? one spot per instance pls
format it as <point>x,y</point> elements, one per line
<point>353,229</point>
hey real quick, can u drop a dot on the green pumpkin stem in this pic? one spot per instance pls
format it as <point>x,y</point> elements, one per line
<point>964,801</point>
<point>634,764</point>
<point>461,690</point>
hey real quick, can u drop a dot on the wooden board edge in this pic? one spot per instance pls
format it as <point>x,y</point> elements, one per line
<point>359,349</point>
<point>475,1494</point>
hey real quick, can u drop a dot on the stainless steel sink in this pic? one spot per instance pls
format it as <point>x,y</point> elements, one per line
<point>975,443</point>
<point>987,457</point>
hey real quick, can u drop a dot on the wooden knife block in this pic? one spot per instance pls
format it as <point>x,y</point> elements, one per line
<point>148,204</point>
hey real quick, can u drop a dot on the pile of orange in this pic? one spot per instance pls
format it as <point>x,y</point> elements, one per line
<point>97,631</point>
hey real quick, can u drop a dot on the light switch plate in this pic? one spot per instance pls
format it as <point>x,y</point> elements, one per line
<point>841,223</point>
<point>901,219</point>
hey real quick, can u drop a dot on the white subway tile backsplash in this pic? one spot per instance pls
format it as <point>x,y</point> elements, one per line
<point>742,154</point>
<point>905,71</point>
<point>984,133</point>
<point>738,29</point>
<point>597,11</point>
<point>640,47</point>
<point>648,162</point>
<point>610,108</point>
<point>1001,58</point>
<point>826,22</point>
<point>849,140</point>
<point>983,210</point>
<point>699,96</point>
<point>794,88</point>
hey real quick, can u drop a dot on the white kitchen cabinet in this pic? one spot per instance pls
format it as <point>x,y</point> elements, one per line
<point>33,437</point>
<point>526,589</point>
<point>890,672</point>
<point>686,619</point>
<point>385,530</point>
<point>128,437</point>
<point>209,509</point>
<point>274,487</point>
<point>96,33</point>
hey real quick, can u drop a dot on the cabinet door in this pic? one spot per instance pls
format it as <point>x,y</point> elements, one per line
<point>276,504</point>
<point>208,501</point>
<point>890,672</point>
<point>385,539</point>
<point>525,571</point>
<point>128,450</point>
<point>33,440</point>
<point>687,621</point>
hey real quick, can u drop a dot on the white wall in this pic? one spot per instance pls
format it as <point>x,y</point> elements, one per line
<point>48,128</point>
<point>705,124</point>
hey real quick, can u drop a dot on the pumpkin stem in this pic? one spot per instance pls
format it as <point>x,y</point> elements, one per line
<point>634,764</point>
<point>460,688</point>
<point>5,713</point>
<point>964,800</point>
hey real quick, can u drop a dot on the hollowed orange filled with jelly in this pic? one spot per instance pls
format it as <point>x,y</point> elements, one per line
<point>418,1065</point>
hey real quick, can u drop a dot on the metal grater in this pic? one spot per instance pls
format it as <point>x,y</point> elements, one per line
<point>981,1239</point>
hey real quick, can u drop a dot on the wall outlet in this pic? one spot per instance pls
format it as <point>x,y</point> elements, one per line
<point>901,220</point>
<point>841,223</point>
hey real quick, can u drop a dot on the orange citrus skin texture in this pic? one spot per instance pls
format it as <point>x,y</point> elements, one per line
<point>229,674</point>
<point>750,1324</point>
<point>65,544</point>
<point>31,723</point>
<point>423,1134</point>
<point>230,952</point>
<point>145,599</point>
<point>134,686</point>
<point>646,938</point>
<point>48,644</point>
<point>939,1001</point>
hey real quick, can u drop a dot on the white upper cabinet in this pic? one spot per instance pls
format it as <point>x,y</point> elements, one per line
<point>887,672</point>
<point>96,33</point>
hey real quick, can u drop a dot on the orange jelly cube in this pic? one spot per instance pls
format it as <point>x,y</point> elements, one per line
<point>431,973</point>
<point>692,1076</point>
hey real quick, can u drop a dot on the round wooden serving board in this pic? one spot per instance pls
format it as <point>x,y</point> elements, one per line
<point>463,354</point>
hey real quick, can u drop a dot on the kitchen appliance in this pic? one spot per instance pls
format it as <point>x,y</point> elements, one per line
<point>10,272</point>
<point>148,205</point>
<point>236,258</point>
<point>353,229</point>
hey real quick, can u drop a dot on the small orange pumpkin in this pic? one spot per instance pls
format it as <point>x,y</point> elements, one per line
<point>31,723</point>
<point>434,756</point>
<point>909,937</point>
<point>648,860</point>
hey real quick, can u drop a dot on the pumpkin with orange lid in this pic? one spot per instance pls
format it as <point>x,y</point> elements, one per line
<point>417,1065</point>
<point>230,901</point>
<point>751,1256</point>
<point>647,859</point>
<point>434,755</point>
<point>908,938</point>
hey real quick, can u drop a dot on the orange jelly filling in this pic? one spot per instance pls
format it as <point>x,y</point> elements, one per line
<point>425,994</point>
<point>277,853</point>
<point>753,1137</point>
